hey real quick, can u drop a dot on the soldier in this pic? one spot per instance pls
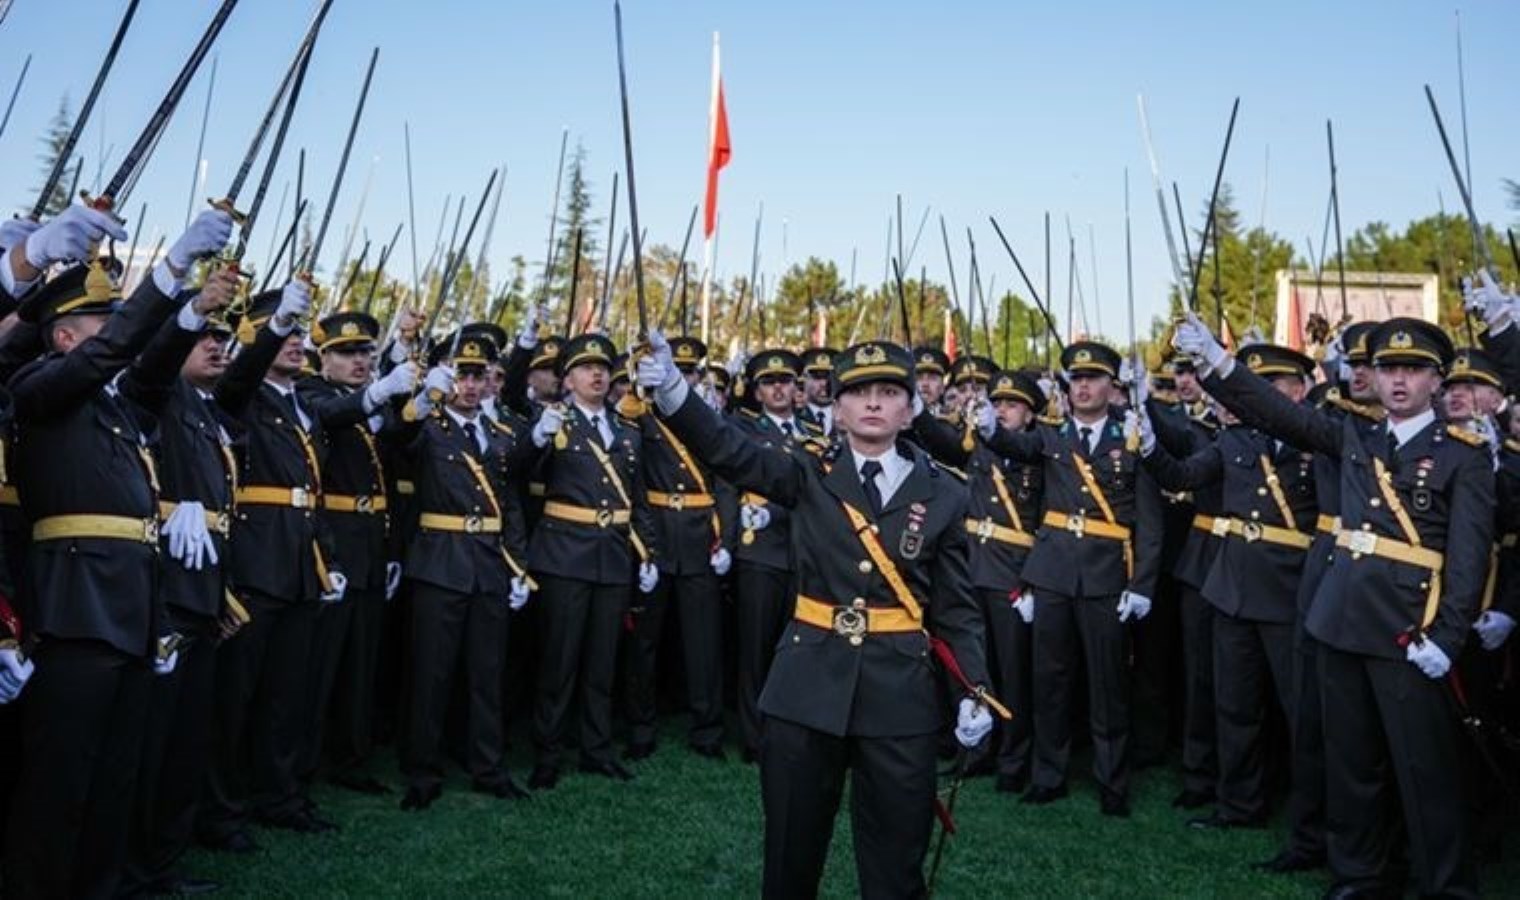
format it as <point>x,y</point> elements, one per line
<point>1394,607</point>
<point>930,367</point>
<point>817,388</point>
<point>1093,568</point>
<point>595,534</point>
<point>88,484</point>
<point>970,375</point>
<point>465,563</point>
<point>849,687</point>
<point>681,497</point>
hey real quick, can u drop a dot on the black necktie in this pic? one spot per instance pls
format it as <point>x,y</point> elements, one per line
<point>868,472</point>
<point>1393,446</point>
<point>786,428</point>
<point>469,433</point>
<point>1085,433</point>
<point>596,424</point>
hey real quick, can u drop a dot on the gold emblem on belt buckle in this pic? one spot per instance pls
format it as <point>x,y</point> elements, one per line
<point>364,504</point>
<point>299,498</point>
<point>1362,543</point>
<point>1251,531</point>
<point>150,531</point>
<point>850,623</point>
<point>222,523</point>
<point>1076,523</point>
<point>473,525</point>
<point>603,518</point>
<point>984,529</point>
<point>677,502</point>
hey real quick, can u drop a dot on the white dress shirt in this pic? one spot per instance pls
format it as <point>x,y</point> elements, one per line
<point>1403,431</point>
<point>599,416</point>
<point>894,471</point>
<point>461,421</point>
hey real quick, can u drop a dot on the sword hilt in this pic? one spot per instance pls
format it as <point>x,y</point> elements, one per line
<point>226,206</point>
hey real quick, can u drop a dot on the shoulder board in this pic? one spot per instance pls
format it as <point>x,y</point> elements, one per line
<point>816,446</point>
<point>959,475</point>
<point>1370,413</point>
<point>1467,437</point>
<point>1052,421</point>
<point>746,413</point>
<point>625,421</point>
<point>1512,445</point>
<point>812,428</point>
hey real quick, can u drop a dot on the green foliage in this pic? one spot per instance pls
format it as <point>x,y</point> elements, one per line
<point>53,139</point>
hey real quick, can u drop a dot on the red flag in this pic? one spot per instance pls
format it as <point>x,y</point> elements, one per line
<point>951,350</point>
<point>1295,321</point>
<point>719,148</point>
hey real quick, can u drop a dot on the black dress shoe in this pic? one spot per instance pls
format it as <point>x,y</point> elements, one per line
<point>1193,799</point>
<point>360,784</point>
<point>238,841</point>
<point>543,778</point>
<point>1009,783</point>
<point>1040,795</point>
<point>1360,890</point>
<point>502,788</point>
<point>606,767</point>
<point>419,797</point>
<point>182,886</point>
<point>710,751</point>
<point>1114,804</point>
<point>1218,821</point>
<point>1291,861</point>
<point>639,750</point>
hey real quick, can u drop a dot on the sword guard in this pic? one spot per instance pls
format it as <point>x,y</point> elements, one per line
<point>101,204</point>
<point>225,205</point>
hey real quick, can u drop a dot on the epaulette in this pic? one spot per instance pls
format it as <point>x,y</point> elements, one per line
<point>959,474</point>
<point>1512,445</point>
<point>1052,421</point>
<point>1469,438</point>
<point>1370,413</point>
<point>746,413</point>
<point>818,447</point>
<point>625,421</point>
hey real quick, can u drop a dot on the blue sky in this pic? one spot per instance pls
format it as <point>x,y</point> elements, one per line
<point>972,108</point>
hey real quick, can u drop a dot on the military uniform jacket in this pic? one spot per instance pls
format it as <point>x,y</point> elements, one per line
<point>688,535</point>
<point>771,546</point>
<point>1087,565</point>
<point>573,476</point>
<point>448,484</point>
<point>1443,483</point>
<point>279,548</point>
<point>995,565</point>
<point>1254,579</point>
<point>1506,589</point>
<point>886,685</point>
<point>353,470</point>
<point>1189,552</point>
<point>83,448</point>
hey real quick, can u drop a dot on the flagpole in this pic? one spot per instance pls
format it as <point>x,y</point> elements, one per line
<point>707,243</point>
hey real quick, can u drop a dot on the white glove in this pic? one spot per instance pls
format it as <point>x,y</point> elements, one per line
<point>339,583</point>
<point>986,420</point>
<point>208,234</point>
<point>657,368</point>
<point>1142,387</point>
<point>549,423</point>
<point>1024,606</point>
<point>527,335</point>
<point>439,379</point>
<point>16,230</point>
<point>295,303</point>
<point>1493,628</point>
<point>70,236</point>
<point>649,576</point>
<point>1193,338</point>
<point>398,382</point>
<point>1487,300</point>
<point>1147,428</point>
<point>392,579</point>
<point>163,665</point>
<point>972,723</point>
<point>1431,659</point>
<point>754,518</point>
<point>1126,372</point>
<point>519,596</point>
<point>15,670</point>
<point>189,539</point>
<point>720,561</point>
<point>1133,606</point>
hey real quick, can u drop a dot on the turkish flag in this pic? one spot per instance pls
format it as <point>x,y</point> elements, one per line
<point>719,150</point>
<point>950,348</point>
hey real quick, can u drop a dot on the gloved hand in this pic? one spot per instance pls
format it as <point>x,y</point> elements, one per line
<point>339,583</point>
<point>549,423</point>
<point>1487,300</point>
<point>657,369</point>
<point>527,335</point>
<point>1133,606</point>
<point>1142,387</point>
<point>1146,428</point>
<point>1193,338</point>
<point>986,420</point>
<point>295,303</point>
<point>189,539</point>
<point>392,579</point>
<point>70,235</point>
<point>15,671</point>
<point>1493,628</point>
<point>208,234</point>
<point>1431,659</point>
<point>721,560</point>
<point>972,723</point>
<point>397,383</point>
<point>439,380</point>
<point>649,576</point>
<point>519,596</point>
<point>754,518</point>
<point>168,654</point>
<point>16,230</point>
<point>1024,606</point>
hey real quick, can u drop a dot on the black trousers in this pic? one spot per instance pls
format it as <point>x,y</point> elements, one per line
<point>1011,664</point>
<point>85,708</point>
<point>351,712</point>
<point>765,602</point>
<point>443,623</point>
<point>580,622</point>
<point>328,635</point>
<point>262,691</point>
<point>1253,663</point>
<point>176,754</point>
<point>1200,755</point>
<point>1156,674</point>
<point>892,784</point>
<point>1306,793</point>
<point>1067,632</point>
<point>1391,742</point>
<point>698,600</point>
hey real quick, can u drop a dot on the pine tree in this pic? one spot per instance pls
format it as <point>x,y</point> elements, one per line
<point>53,140</point>
<point>576,216</point>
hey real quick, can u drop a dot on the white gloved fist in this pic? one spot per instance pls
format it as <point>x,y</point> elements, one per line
<point>1133,606</point>
<point>972,723</point>
<point>1493,628</point>
<point>1194,339</point>
<point>392,579</point>
<point>1146,428</point>
<point>1024,606</point>
<point>649,576</point>
<point>721,560</point>
<point>16,230</point>
<point>986,420</point>
<point>1430,658</point>
<point>396,383</point>
<point>339,583</point>
<point>754,518</point>
<point>549,423</point>
<point>519,596</point>
<point>189,539</point>
<point>207,235</point>
<point>164,665</point>
<point>439,380</point>
<point>15,671</point>
<point>527,335</point>
<point>1486,300</point>
<point>657,369</point>
<point>295,303</point>
<point>71,235</point>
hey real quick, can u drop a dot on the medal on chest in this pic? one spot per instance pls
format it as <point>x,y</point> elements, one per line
<point>912,541</point>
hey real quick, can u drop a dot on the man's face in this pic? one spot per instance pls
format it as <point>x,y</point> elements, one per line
<point>348,364</point>
<point>1014,415</point>
<point>588,383</point>
<point>496,376</point>
<point>819,389</point>
<point>931,386</point>
<point>1291,386</point>
<point>1487,398</point>
<point>799,396</point>
<point>545,384</point>
<point>1118,396</point>
<point>972,390</point>
<point>291,356</point>
<point>776,393</point>
<point>1188,388</point>
<point>1088,393</point>
<point>207,360</point>
<point>1406,391</point>
<point>876,411</point>
<point>953,396</point>
<point>1460,403</point>
<point>1363,387</point>
<point>469,386</point>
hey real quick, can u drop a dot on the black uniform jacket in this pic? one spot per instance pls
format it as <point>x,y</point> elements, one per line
<point>771,546</point>
<point>353,473</point>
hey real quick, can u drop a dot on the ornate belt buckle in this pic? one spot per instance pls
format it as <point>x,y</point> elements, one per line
<point>299,498</point>
<point>1220,527</point>
<point>221,523</point>
<point>473,525</point>
<point>850,623</point>
<point>150,531</point>
<point>677,502</point>
<point>1251,531</point>
<point>984,529</point>
<point>1076,523</point>
<point>1362,543</point>
<point>603,518</point>
<point>364,505</point>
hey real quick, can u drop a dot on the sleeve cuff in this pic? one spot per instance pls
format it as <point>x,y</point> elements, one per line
<point>190,320</point>
<point>670,400</point>
<point>8,282</point>
<point>164,280</point>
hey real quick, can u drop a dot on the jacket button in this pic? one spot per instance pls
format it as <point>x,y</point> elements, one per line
<point>866,567</point>
<point>858,603</point>
<point>1374,503</point>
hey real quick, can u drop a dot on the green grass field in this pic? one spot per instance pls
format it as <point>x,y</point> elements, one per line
<point>691,827</point>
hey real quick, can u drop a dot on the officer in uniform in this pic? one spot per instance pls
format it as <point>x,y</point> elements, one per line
<point>882,565</point>
<point>1394,607</point>
<point>818,387</point>
<point>970,376</point>
<point>930,367</point>
<point>595,534</point>
<point>1093,568</point>
<point>681,496</point>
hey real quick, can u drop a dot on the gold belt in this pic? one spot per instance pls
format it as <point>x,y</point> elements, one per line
<point>1203,523</point>
<point>403,486</point>
<point>856,620</point>
<point>1253,531</point>
<point>985,529</point>
<point>460,524</point>
<point>262,495</point>
<point>1327,524</point>
<point>536,488</point>
<point>359,504</point>
<point>679,502</point>
<point>219,521</point>
<point>89,525</point>
<point>9,495</point>
<point>1081,526</point>
<point>581,515</point>
<point>1365,543</point>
